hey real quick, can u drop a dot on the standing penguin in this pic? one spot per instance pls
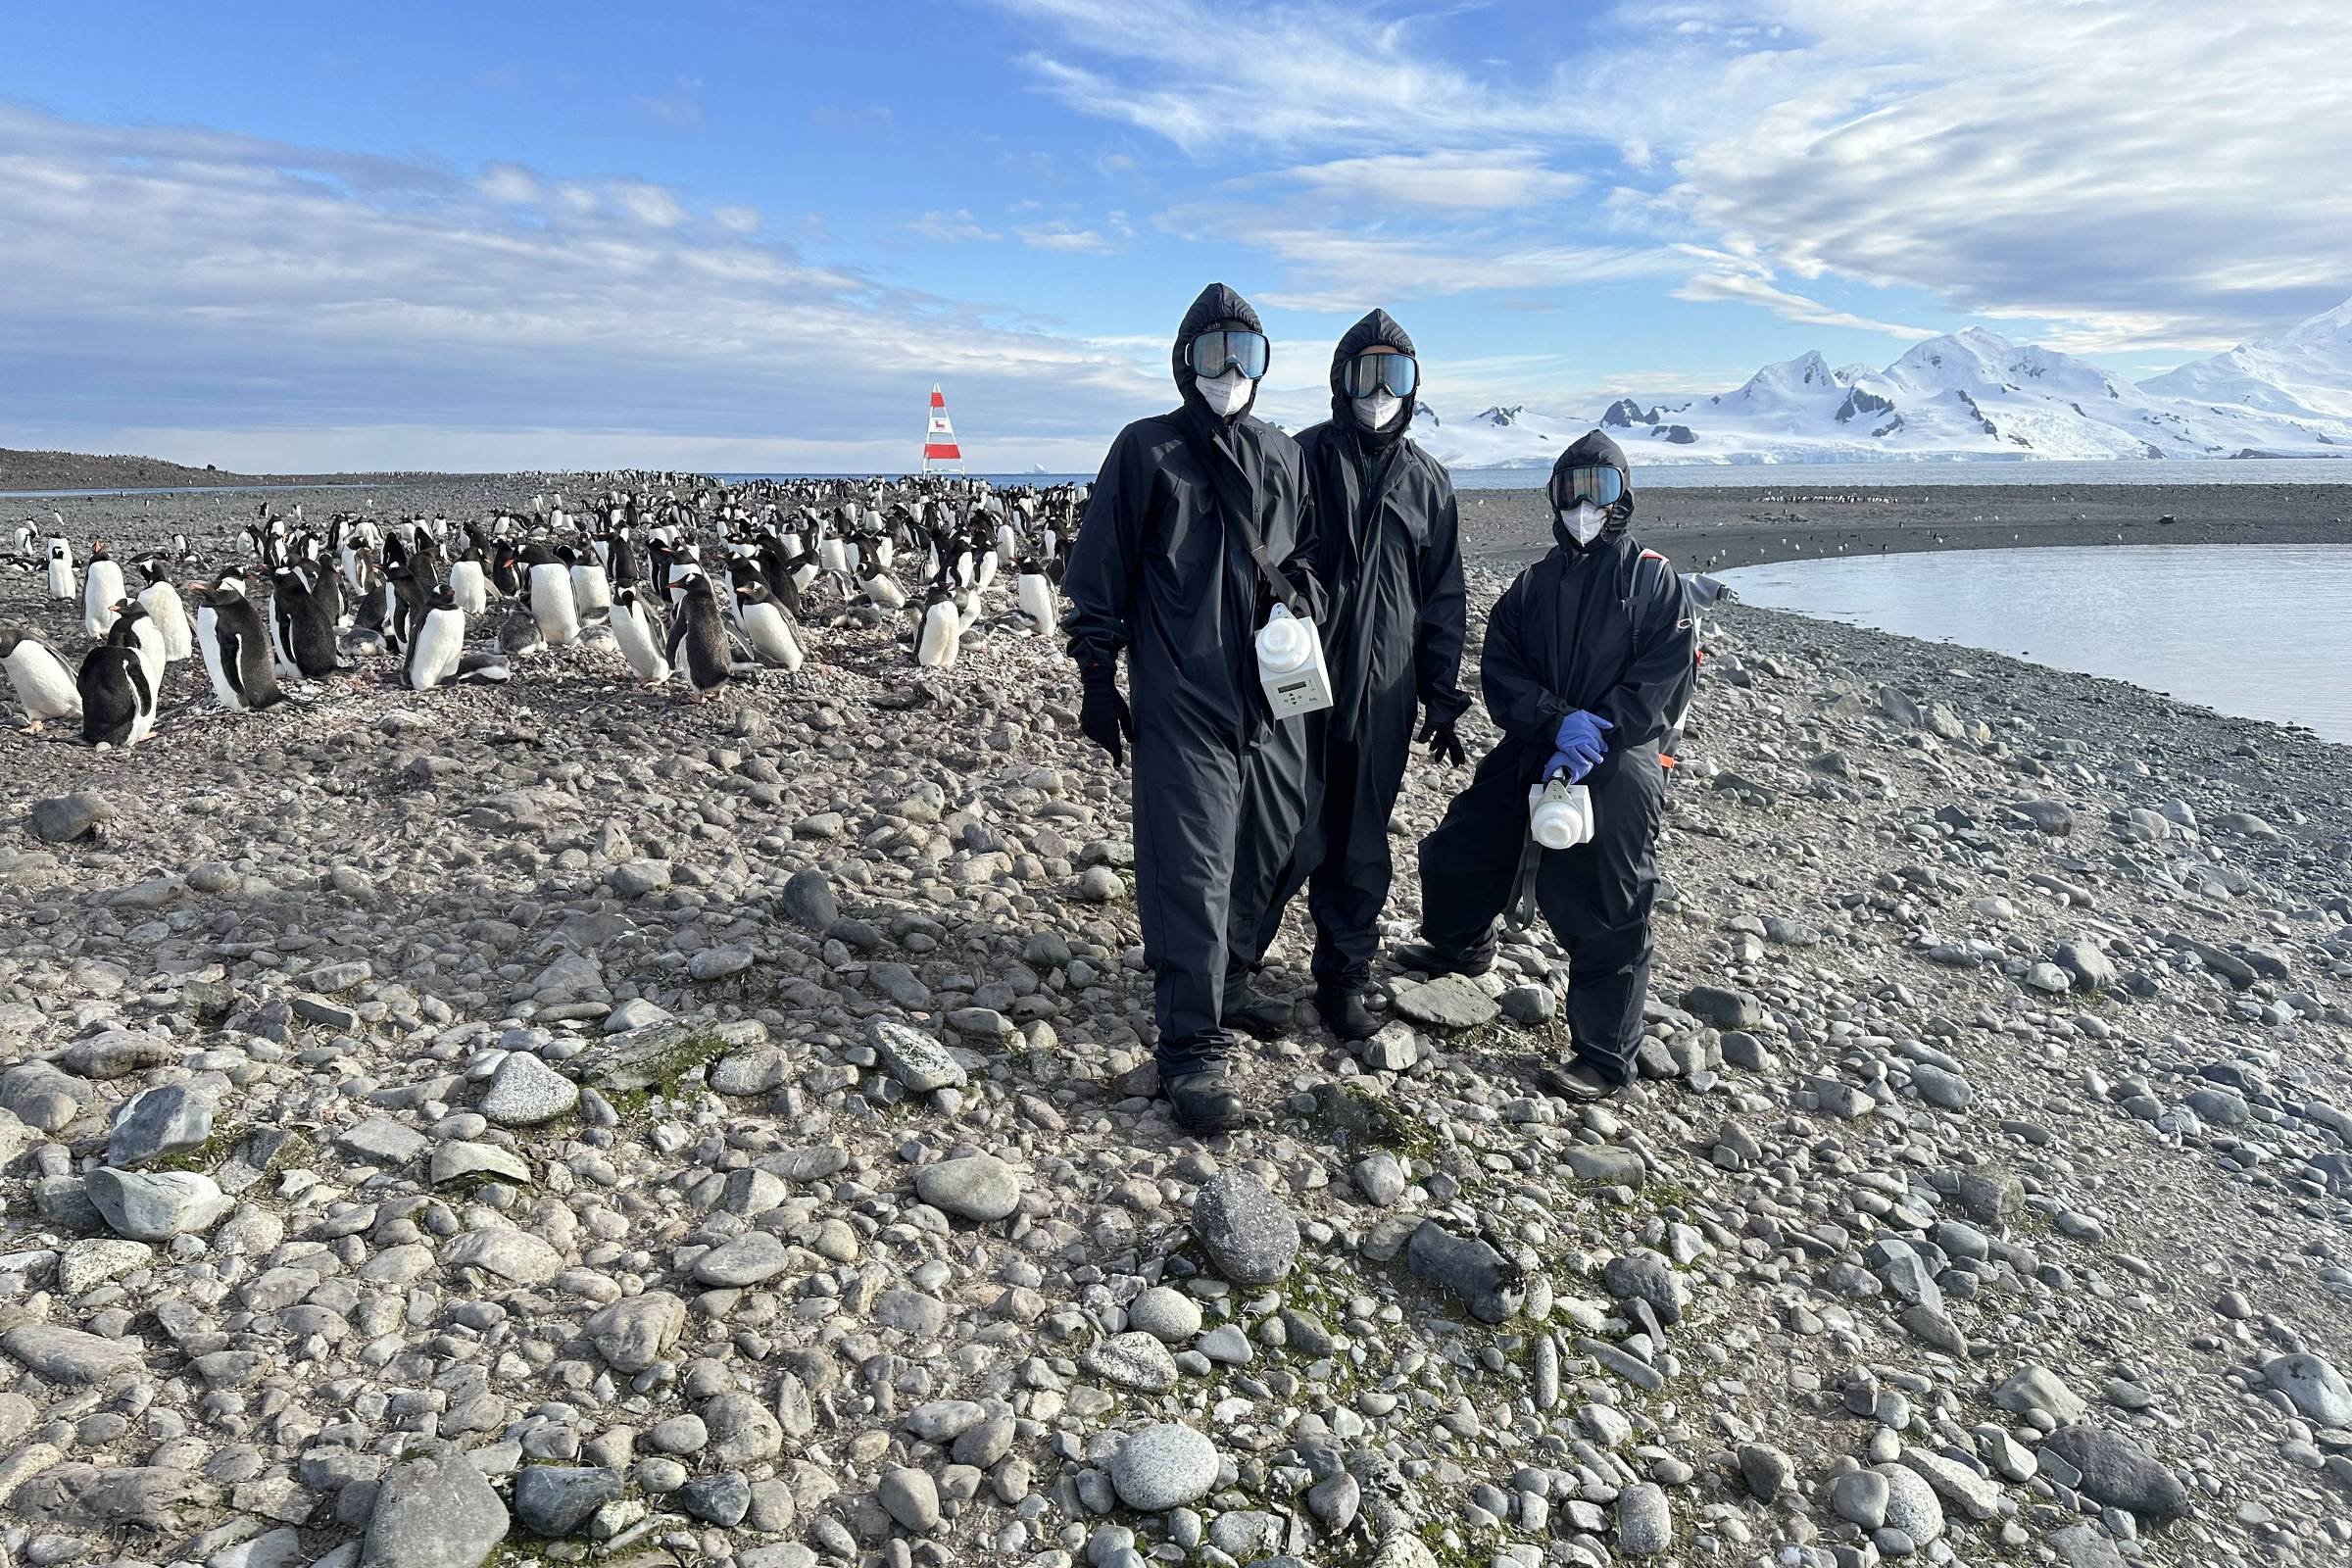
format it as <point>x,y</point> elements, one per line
<point>44,686</point>
<point>765,626</point>
<point>60,568</point>
<point>1036,596</point>
<point>101,591</point>
<point>639,634</point>
<point>301,630</point>
<point>468,584</point>
<point>137,631</point>
<point>161,603</point>
<point>941,629</point>
<point>235,648</point>
<point>591,588</point>
<point>553,606</point>
<point>118,702</point>
<point>437,651</point>
<point>698,628</point>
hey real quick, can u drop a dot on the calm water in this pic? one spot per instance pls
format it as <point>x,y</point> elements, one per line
<point>2261,631</point>
<point>1897,475</point>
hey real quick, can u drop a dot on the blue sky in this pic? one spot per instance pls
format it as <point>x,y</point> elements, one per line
<point>734,235</point>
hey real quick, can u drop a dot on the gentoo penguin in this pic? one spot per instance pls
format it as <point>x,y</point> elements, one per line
<point>941,629</point>
<point>179,548</point>
<point>591,588</point>
<point>437,653</point>
<point>301,631</point>
<point>60,568</point>
<point>1036,596</point>
<point>101,592</point>
<point>639,634</point>
<point>469,585</point>
<point>118,702</point>
<point>137,631</point>
<point>882,589</point>
<point>161,603</point>
<point>552,604</point>
<point>698,629</point>
<point>235,648</point>
<point>24,538</point>
<point>44,686</point>
<point>765,626</point>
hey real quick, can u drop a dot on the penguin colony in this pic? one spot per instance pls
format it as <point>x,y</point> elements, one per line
<point>693,583</point>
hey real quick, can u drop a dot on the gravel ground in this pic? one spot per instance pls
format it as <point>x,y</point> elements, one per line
<point>550,1121</point>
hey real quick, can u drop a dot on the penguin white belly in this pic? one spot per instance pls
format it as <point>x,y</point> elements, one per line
<point>60,578</point>
<point>834,556</point>
<point>771,636</point>
<point>552,604</point>
<point>149,642</point>
<point>986,572</point>
<point>101,591</point>
<point>935,646</point>
<point>1037,602</point>
<point>637,645</point>
<point>471,586</point>
<point>440,644</point>
<point>43,684</point>
<point>884,591</point>
<point>591,592</point>
<point>208,643</point>
<point>287,669</point>
<point>161,603</point>
<point>142,718</point>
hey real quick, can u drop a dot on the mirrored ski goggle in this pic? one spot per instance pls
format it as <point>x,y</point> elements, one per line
<point>1604,486</point>
<point>1212,354</point>
<point>1393,373</point>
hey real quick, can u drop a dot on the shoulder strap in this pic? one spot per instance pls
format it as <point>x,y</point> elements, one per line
<point>1234,500</point>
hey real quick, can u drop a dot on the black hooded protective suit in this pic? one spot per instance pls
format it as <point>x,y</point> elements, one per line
<point>1607,628</point>
<point>1162,569</point>
<point>1391,568</point>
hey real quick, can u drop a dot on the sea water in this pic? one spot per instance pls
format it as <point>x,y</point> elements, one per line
<point>2261,631</point>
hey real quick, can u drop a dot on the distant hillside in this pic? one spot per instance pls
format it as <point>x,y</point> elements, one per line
<point>81,471</point>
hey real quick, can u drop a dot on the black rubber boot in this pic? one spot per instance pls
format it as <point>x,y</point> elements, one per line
<point>1345,1012</point>
<point>1424,959</point>
<point>1204,1100</point>
<point>1261,1017</point>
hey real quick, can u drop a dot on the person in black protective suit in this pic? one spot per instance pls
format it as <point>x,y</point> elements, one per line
<point>1392,574</point>
<point>1589,656</point>
<point>1198,520</point>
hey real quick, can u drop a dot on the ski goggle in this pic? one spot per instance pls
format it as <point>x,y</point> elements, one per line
<point>1604,486</point>
<point>1394,373</point>
<point>1214,353</point>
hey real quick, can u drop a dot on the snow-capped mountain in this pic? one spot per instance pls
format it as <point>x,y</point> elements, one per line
<point>1968,394</point>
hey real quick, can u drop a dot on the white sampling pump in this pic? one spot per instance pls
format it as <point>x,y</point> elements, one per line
<point>1290,664</point>
<point>1560,814</point>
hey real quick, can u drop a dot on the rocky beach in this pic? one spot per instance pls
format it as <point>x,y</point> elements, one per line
<point>547,1122</point>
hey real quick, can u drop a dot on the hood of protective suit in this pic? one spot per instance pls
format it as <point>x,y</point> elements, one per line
<point>1379,327</point>
<point>1592,450</point>
<point>1217,302</point>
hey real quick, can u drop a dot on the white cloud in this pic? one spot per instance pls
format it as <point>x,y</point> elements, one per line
<point>682,108</point>
<point>1435,181</point>
<point>647,202</point>
<point>1061,234</point>
<point>736,220</point>
<point>1751,288</point>
<point>949,229</point>
<point>509,182</point>
<point>177,279</point>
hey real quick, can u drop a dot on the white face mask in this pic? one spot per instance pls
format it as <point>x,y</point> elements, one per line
<point>1226,395</point>
<point>1379,411</point>
<point>1585,521</point>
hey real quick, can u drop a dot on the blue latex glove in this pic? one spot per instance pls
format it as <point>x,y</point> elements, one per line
<point>1581,746</point>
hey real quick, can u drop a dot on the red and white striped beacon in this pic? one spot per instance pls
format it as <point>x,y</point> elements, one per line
<point>939,440</point>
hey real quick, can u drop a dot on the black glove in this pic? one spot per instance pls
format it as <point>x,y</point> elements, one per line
<point>1445,746</point>
<point>1102,713</point>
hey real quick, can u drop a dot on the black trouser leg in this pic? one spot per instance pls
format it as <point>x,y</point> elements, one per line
<point>1597,898</point>
<point>1279,786</point>
<point>1188,792</point>
<point>1470,858</point>
<point>1350,888</point>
